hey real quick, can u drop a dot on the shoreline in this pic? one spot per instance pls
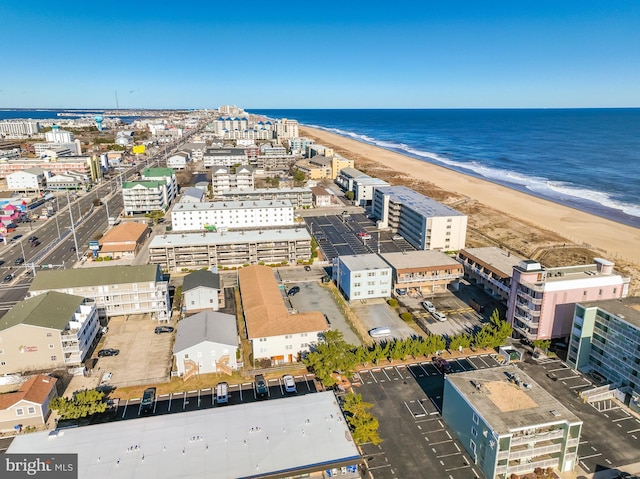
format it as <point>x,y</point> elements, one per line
<point>575,225</point>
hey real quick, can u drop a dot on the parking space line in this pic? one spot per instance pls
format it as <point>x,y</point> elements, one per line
<point>425,411</point>
<point>435,405</point>
<point>170,398</point>
<point>456,468</point>
<point>589,457</point>
<point>621,419</point>
<point>449,455</point>
<point>385,373</point>
<point>399,373</point>
<point>379,467</point>
<point>580,386</point>
<point>124,411</point>
<point>632,431</point>
<point>443,442</point>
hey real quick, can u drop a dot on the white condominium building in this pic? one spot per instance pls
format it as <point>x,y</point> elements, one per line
<point>225,157</point>
<point>231,214</point>
<point>19,127</point>
<point>166,175</point>
<point>286,129</point>
<point>231,178</point>
<point>422,221</point>
<point>56,135</point>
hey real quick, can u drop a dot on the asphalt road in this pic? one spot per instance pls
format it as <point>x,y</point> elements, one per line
<point>55,235</point>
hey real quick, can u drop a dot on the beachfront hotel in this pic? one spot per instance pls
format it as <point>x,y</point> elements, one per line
<point>509,424</point>
<point>605,337</point>
<point>422,221</point>
<point>542,300</point>
<point>231,214</point>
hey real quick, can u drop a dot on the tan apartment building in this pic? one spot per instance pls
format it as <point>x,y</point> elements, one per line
<point>422,272</point>
<point>490,268</point>
<point>46,332</point>
<point>117,290</point>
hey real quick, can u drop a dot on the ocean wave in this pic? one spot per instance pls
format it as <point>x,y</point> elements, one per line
<point>540,185</point>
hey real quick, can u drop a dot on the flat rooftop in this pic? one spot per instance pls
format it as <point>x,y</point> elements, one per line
<point>241,441</point>
<point>232,205</point>
<point>505,406</point>
<point>420,260</point>
<point>262,191</point>
<point>417,202</point>
<point>493,258</point>
<point>359,262</point>
<point>229,237</point>
<point>627,309</point>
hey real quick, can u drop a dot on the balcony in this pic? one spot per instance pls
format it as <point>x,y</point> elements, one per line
<point>539,287</point>
<point>528,298</point>
<point>535,451</point>
<point>539,436</point>
<point>526,320</point>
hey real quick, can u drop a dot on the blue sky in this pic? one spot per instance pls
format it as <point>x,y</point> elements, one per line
<point>350,54</point>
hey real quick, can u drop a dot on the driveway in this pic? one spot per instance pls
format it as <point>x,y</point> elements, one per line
<point>377,313</point>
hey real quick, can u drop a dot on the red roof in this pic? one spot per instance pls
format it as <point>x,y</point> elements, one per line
<point>35,390</point>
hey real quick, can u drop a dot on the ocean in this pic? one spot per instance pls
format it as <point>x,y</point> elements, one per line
<point>588,159</point>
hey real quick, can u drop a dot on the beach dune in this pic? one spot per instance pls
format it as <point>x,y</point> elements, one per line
<point>609,237</point>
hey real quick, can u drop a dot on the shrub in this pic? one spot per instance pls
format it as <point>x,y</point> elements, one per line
<point>406,316</point>
<point>392,302</point>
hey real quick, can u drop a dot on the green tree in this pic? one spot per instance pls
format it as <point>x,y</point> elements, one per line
<point>84,403</point>
<point>543,344</point>
<point>350,195</point>
<point>331,355</point>
<point>458,341</point>
<point>364,427</point>
<point>299,176</point>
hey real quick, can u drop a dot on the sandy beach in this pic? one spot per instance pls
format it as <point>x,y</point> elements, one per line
<point>527,221</point>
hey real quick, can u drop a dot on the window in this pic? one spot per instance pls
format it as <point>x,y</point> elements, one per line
<point>474,431</point>
<point>51,346</point>
<point>304,345</point>
<point>263,350</point>
<point>3,363</point>
<point>54,358</point>
<point>186,356</point>
<point>49,335</point>
<point>476,419</point>
<point>288,347</point>
<point>303,335</point>
<point>1,351</point>
<point>356,285</point>
<point>19,412</point>
<point>31,410</point>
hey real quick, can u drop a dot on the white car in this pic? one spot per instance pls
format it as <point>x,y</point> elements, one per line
<point>289,383</point>
<point>438,315</point>
<point>428,305</point>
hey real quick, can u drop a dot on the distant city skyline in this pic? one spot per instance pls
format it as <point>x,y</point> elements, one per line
<point>460,54</point>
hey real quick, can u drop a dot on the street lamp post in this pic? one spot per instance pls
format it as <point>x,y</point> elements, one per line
<point>24,256</point>
<point>57,225</point>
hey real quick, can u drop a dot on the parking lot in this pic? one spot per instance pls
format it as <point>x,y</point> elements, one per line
<point>313,297</point>
<point>377,313</point>
<point>205,398</point>
<point>337,235</point>
<point>407,402</point>
<point>144,355</point>
<point>610,437</point>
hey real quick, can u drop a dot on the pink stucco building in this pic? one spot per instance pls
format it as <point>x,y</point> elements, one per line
<point>542,300</point>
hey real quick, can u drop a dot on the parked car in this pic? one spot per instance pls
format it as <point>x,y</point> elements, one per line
<point>307,268</point>
<point>73,248</point>
<point>293,291</point>
<point>428,305</point>
<point>35,243</point>
<point>33,238</point>
<point>108,352</point>
<point>222,393</point>
<point>18,261</point>
<point>148,398</point>
<point>380,332</point>
<point>437,315</point>
<point>262,390</point>
<point>1,262</point>
<point>289,383</point>
<point>401,292</point>
<point>164,329</point>
<point>8,278</point>
<point>442,364</point>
